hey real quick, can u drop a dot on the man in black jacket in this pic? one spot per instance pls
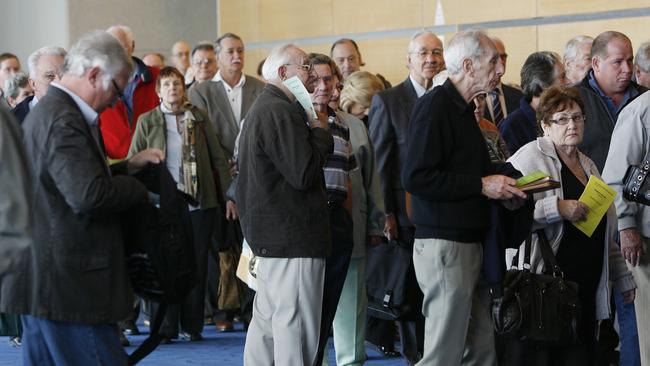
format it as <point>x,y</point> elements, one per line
<point>77,288</point>
<point>283,211</point>
<point>449,176</point>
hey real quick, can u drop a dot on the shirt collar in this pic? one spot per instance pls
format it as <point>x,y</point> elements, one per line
<point>240,83</point>
<point>419,89</point>
<point>90,115</point>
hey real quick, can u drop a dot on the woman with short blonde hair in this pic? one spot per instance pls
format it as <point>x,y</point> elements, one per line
<point>358,90</point>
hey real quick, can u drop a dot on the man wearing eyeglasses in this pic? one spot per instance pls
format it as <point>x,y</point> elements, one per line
<point>504,99</point>
<point>389,116</point>
<point>44,67</point>
<point>282,203</point>
<point>118,122</point>
<point>204,64</point>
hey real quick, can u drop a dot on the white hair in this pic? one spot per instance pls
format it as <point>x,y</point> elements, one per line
<point>465,45</point>
<point>278,57</point>
<point>14,83</point>
<point>642,58</point>
<point>417,34</point>
<point>32,61</point>
<point>571,48</point>
<point>98,49</point>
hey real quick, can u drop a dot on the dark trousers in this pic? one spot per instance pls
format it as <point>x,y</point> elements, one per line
<point>519,353</point>
<point>190,312</point>
<point>411,330</point>
<point>336,269</point>
<point>49,342</point>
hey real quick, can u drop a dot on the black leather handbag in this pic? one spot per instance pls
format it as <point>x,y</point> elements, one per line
<point>636,187</point>
<point>386,269</point>
<point>542,308</point>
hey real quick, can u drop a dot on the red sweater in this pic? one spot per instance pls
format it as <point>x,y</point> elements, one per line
<point>114,121</point>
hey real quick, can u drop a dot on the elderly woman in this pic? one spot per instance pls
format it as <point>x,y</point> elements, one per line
<point>540,71</point>
<point>589,261</point>
<point>358,90</point>
<point>191,149</point>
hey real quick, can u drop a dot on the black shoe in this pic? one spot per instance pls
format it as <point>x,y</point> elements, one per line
<point>192,337</point>
<point>385,351</point>
<point>130,328</point>
<point>166,340</point>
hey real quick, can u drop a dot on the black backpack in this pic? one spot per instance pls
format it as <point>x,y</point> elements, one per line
<point>159,249</point>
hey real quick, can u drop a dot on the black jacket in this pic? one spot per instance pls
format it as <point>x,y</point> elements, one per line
<point>599,124</point>
<point>281,190</point>
<point>445,162</point>
<point>21,109</point>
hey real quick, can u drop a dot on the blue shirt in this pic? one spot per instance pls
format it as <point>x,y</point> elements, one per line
<point>520,127</point>
<point>129,90</point>
<point>630,93</point>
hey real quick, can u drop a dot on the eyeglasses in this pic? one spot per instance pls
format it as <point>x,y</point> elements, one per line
<point>564,120</point>
<point>117,89</point>
<point>306,67</point>
<point>426,53</point>
<point>203,61</point>
<point>325,79</point>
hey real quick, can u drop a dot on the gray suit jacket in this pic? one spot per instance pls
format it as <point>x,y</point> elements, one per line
<point>388,120</point>
<point>211,96</point>
<point>77,271</point>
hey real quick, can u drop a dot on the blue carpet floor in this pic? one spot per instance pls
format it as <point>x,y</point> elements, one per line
<point>216,349</point>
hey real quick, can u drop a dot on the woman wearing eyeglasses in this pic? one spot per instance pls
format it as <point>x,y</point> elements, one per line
<point>191,149</point>
<point>589,261</point>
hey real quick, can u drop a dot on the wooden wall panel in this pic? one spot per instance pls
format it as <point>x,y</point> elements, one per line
<point>564,7</point>
<point>474,11</point>
<point>373,15</point>
<point>290,19</point>
<point>240,17</point>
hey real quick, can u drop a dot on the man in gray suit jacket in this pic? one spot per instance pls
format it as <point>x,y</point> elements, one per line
<point>227,99</point>
<point>388,124</point>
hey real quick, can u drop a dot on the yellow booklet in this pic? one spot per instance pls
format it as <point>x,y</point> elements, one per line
<point>598,196</point>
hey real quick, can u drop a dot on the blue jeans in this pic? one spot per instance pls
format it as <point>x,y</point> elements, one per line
<point>628,333</point>
<point>49,342</point>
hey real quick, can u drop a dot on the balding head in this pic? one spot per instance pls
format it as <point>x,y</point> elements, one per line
<point>123,34</point>
<point>611,60</point>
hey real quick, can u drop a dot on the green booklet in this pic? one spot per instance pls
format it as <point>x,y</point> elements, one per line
<point>537,182</point>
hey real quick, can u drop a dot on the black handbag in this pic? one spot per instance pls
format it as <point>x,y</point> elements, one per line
<point>542,308</point>
<point>386,269</point>
<point>636,187</point>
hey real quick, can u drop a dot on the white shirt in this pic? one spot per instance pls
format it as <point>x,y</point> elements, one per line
<point>33,102</point>
<point>234,94</point>
<point>419,89</point>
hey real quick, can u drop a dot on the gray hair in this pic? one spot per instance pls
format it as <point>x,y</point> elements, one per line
<point>98,49</point>
<point>14,83</point>
<point>32,61</point>
<point>538,73</point>
<point>217,43</point>
<point>642,58</point>
<point>464,45</point>
<point>571,48</point>
<point>278,57</point>
<point>417,34</point>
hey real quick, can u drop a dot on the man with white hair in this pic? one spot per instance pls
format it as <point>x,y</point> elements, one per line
<point>17,89</point>
<point>577,58</point>
<point>449,175</point>
<point>389,116</point>
<point>76,287</point>
<point>44,67</point>
<point>118,122</point>
<point>9,65</point>
<point>642,65</point>
<point>283,211</point>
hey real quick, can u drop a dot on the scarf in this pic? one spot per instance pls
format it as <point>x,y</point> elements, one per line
<point>186,124</point>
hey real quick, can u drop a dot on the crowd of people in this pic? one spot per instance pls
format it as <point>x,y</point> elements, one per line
<point>315,188</point>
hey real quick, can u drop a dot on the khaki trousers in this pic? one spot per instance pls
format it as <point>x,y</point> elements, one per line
<point>641,275</point>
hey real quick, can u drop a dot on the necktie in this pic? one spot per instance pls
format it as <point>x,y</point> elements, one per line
<point>497,112</point>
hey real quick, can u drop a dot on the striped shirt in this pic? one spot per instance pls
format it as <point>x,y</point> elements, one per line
<point>341,162</point>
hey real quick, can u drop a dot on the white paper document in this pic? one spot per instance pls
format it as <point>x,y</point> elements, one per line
<point>299,91</point>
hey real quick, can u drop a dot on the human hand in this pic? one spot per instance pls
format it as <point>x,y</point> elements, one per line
<point>390,227</point>
<point>144,157</point>
<point>319,122</point>
<point>500,187</point>
<point>231,210</point>
<point>572,210</point>
<point>628,296</point>
<point>631,245</point>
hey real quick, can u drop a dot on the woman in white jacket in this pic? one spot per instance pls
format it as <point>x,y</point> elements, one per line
<point>590,261</point>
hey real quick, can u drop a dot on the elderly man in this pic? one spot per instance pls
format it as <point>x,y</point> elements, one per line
<point>181,56</point>
<point>227,99</point>
<point>642,65</point>
<point>17,89</point>
<point>283,205</point>
<point>577,58</point>
<point>77,288</point>
<point>605,90</point>
<point>389,116</point>
<point>154,59</point>
<point>345,52</point>
<point>118,122</point>
<point>503,99</point>
<point>44,67</point>
<point>449,175</point>
<point>204,64</point>
<point>9,65</point>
